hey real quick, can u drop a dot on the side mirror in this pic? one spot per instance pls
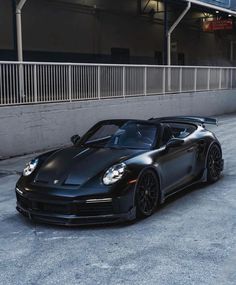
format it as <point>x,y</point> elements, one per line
<point>74,139</point>
<point>175,142</point>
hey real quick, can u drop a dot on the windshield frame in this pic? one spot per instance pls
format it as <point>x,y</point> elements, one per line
<point>119,123</point>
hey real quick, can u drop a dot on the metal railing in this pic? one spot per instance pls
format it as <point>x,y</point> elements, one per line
<point>30,82</point>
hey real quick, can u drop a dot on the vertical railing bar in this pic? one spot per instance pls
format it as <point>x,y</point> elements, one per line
<point>57,81</point>
<point>88,81</point>
<point>231,78</point>
<point>45,82</point>
<point>7,97</point>
<point>78,81</point>
<point>109,81</point>
<point>99,82</point>
<point>123,81</point>
<point>13,83</point>
<point>56,70</point>
<point>85,79</point>
<point>30,84</point>
<point>48,83</point>
<point>66,97</point>
<point>220,78</point>
<point>164,80</point>
<point>91,82</point>
<point>4,85</point>
<point>31,87</point>
<point>17,85</point>
<point>208,78</point>
<point>42,84</point>
<point>70,81</point>
<point>50,90</point>
<point>61,83</point>
<point>10,83</point>
<point>83,96</point>
<point>95,83</point>
<point>195,79</point>
<point>54,82</point>
<point>1,86</point>
<point>180,79</point>
<point>35,84</point>
<point>112,83</point>
<point>145,81</point>
<point>26,83</point>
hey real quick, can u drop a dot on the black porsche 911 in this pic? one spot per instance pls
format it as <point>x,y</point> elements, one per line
<point>119,170</point>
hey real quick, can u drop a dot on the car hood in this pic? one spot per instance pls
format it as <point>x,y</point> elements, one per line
<point>76,165</point>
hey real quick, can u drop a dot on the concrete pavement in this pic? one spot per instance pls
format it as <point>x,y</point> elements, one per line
<point>190,240</point>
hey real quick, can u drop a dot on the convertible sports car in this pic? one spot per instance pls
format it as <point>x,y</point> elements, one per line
<point>119,170</point>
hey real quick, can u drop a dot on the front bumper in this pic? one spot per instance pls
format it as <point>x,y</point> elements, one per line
<point>71,212</point>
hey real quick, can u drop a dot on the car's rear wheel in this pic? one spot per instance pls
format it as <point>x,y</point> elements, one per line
<point>214,161</point>
<point>147,193</point>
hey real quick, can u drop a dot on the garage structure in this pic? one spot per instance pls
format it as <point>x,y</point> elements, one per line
<point>116,31</point>
<point>82,53</point>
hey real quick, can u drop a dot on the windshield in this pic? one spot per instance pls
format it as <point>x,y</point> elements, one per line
<point>129,135</point>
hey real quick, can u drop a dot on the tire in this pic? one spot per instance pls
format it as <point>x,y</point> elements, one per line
<point>214,160</point>
<point>147,194</point>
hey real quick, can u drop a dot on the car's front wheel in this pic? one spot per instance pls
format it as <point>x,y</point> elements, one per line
<point>214,161</point>
<point>147,193</point>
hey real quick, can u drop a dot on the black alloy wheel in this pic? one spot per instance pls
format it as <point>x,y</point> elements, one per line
<point>147,193</point>
<point>214,162</point>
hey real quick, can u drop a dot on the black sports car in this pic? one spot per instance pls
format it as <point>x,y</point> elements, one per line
<point>119,170</point>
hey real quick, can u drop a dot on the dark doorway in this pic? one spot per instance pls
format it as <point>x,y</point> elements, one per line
<point>158,58</point>
<point>181,59</point>
<point>120,55</point>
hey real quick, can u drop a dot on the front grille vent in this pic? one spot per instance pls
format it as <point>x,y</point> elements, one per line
<point>80,209</point>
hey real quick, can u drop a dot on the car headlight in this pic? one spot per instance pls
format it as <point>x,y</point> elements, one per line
<point>114,173</point>
<point>30,167</point>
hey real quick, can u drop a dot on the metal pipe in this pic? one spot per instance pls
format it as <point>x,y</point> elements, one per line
<point>19,29</point>
<point>172,29</point>
<point>211,6</point>
<point>19,47</point>
<point>165,32</point>
<point>14,28</point>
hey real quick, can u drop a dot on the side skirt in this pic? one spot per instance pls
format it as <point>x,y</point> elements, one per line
<point>203,179</point>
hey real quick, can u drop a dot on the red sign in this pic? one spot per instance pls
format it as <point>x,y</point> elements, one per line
<point>216,25</point>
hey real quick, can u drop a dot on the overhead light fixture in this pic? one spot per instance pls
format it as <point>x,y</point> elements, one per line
<point>229,15</point>
<point>217,12</point>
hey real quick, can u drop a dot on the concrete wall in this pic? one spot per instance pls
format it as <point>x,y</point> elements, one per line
<point>25,129</point>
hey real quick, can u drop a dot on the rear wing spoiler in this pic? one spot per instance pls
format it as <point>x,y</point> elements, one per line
<point>188,119</point>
